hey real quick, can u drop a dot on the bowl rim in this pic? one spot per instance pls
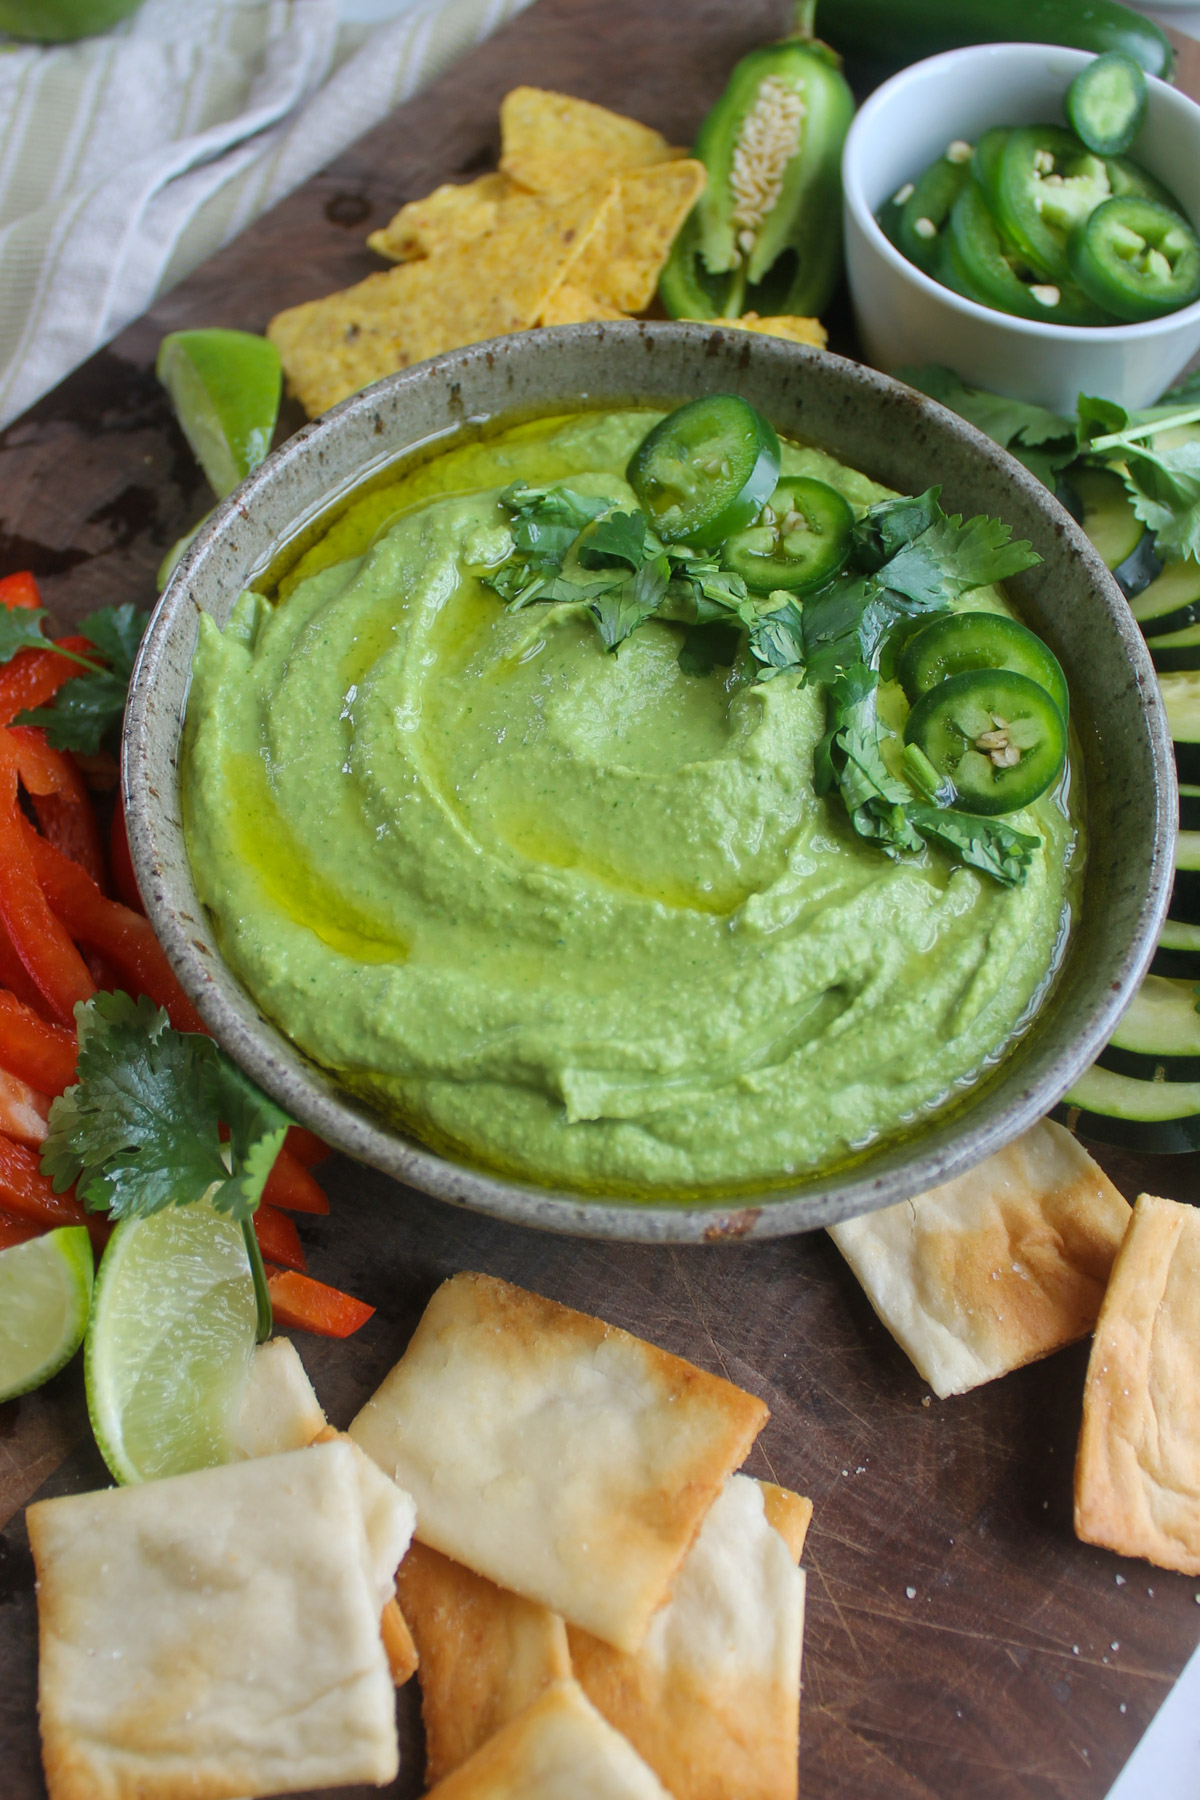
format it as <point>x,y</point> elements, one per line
<point>820,1200</point>
<point>1041,330</point>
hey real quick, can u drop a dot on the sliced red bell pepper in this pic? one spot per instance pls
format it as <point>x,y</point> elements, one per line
<point>302,1304</point>
<point>15,976</point>
<point>306,1146</point>
<point>33,677</point>
<point>24,1190</point>
<point>278,1238</point>
<point>23,1112</point>
<point>291,1186</point>
<point>17,1231</point>
<point>120,862</point>
<point>20,590</point>
<point>38,1052</point>
<point>35,932</point>
<point>60,799</point>
<point>120,935</point>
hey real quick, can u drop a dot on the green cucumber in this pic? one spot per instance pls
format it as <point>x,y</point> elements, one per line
<point>1158,1039</point>
<point>1158,1117</point>
<point>1108,516</point>
<point>1171,602</point>
<point>903,31</point>
<point>1189,806</point>
<point>1175,650</point>
<point>1181,697</point>
<point>1185,896</point>
<point>1178,952</point>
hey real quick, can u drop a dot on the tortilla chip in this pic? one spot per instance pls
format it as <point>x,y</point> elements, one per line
<point>624,258</point>
<point>569,305</point>
<point>555,144</point>
<point>789,1514</point>
<point>554,1454</point>
<point>797,331</point>
<point>486,1654</point>
<point>172,1658</point>
<point>451,215</point>
<point>557,1748</point>
<point>279,1408</point>
<point>1137,1473</point>
<point>712,1698</point>
<point>470,291</point>
<point>996,1268</point>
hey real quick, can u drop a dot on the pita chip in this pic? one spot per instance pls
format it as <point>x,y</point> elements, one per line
<point>558,1456</point>
<point>712,1698</point>
<point>996,1268</point>
<point>625,255</point>
<point>279,1409</point>
<point>789,1514</point>
<point>557,1749</point>
<point>1137,1472</point>
<point>212,1635</point>
<point>554,144</point>
<point>486,1654</point>
<point>451,215</point>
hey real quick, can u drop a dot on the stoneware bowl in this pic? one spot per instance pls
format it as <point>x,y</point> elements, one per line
<point>905,317</point>
<point>871,422</point>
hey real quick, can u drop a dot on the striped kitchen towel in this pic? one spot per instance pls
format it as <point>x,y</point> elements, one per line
<point>125,160</point>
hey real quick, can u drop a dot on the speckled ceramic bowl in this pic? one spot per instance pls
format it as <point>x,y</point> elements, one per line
<point>874,424</point>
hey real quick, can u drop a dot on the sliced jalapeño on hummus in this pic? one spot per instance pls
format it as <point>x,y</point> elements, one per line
<point>997,735</point>
<point>799,541</point>
<point>706,470</point>
<point>960,642</point>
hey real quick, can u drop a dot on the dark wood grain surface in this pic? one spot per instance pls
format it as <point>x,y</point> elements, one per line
<point>960,1641</point>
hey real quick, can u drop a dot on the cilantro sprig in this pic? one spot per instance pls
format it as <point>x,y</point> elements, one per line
<point>87,711</point>
<point>141,1128</point>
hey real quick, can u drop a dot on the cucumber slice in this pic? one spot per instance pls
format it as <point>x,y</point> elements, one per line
<point>1178,952</point>
<point>1171,602</point>
<point>1108,515</point>
<point>1159,1037</point>
<point>1175,650</point>
<point>1189,807</point>
<point>1181,697</point>
<point>1185,896</point>
<point>1158,1117</point>
<point>1141,567</point>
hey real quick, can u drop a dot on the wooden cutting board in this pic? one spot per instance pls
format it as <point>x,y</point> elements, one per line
<point>960,1641</point>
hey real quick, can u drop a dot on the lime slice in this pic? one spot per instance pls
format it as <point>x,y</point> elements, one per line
<point>225,386</point>
<point>169,1343</point>
<point>45,1292</point>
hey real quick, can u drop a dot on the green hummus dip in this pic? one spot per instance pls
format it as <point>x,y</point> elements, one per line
<point>572,915</point>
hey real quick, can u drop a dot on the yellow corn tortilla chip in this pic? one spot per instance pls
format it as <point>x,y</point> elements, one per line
<point>451,215</point>
<point>486,1654</point>
<point>330,348</point>
<point>555,144</point>
<point>1137,1472</point>
<point>624,257</point>
<point>797,331</point>
<point>570,305</point>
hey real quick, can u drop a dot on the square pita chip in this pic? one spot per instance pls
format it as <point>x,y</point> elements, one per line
<point>712,1699</point>
<point>557,1749</point>
<point>279,1409</point>
<point>554,144</point>
<point>485,1654</point>
<point>996,1268</point>
<point>1137,1472</point>
<point>555,1454</point>
<point>212,1635</point>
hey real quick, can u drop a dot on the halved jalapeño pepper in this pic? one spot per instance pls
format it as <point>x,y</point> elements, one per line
<point>767,232</point>
<point>959,643</point>
<point>799,541</point>
<point>1046,183</point>
<point>997,735</point>
<point>1137,258</point>
<point>706,470</point>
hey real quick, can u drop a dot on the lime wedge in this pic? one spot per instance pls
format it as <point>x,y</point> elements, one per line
<point>45,1292</point>
<point>225,386</point>
<point>169,1343</point>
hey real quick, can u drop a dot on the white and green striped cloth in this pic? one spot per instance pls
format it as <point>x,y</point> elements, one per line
<point>127,159</point>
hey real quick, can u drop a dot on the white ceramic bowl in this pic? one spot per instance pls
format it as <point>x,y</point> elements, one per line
<point>904,317</point>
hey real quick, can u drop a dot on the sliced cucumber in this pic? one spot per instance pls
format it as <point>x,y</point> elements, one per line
<point>1171,602</point>
<point>1185,897</point>
<point>1181,697</point>
<point>1159,1117</point>
<point>1178,952</point>
<point>1159,1037</point>
<point>1141,567</point>
<point>1175,650</point>
<point>1108,515</point>
<point>1189,807</point>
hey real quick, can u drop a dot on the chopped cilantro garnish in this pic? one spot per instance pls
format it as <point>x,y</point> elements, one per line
<point>90,707</point>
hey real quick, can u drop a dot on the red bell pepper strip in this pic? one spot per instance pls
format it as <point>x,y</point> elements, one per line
<point>16,1231</point>
<point>302,1304</point>
<point>120,861</point>
<point>24,1190</point>
<point>36,934</point>
<point>306,1146</point>
<point>20,590</point>
<point>60,799</point>
<point>33,677</point>
<point>291,1186</point>
<point>278,1238</point>
<point>121,936</point>
<point>23,1112</point>
<point>37,1052</point>
<point>15,976</point>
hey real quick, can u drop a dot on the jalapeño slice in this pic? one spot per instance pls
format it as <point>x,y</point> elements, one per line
<point>706,470</point>
<point>959,643</point>
<point>987,270</point>
<point>1106,103</point>
<point>799,541</point>
<point>924,214</point>
<point>997,735</point>
<point>1045,185</point>
<point>1137,258</point>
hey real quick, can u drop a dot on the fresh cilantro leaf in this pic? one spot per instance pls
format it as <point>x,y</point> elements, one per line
<point>139,1130</point>
<point>1044,441</point>
<point>983,844</point>
<point>552,505</point>
<point>777,638</point>
<point>117,633</point>
<point>706,646</point>
<point>888,526</point>
<point>621,537</point>
<point>629,603</point>
<point>1098,416</point>
<point>1165,489</point>
<point>543,544</point>
<point>90,708</point>
<point>850,755</point>
<point>950,558</point>
<point>21,629</point>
